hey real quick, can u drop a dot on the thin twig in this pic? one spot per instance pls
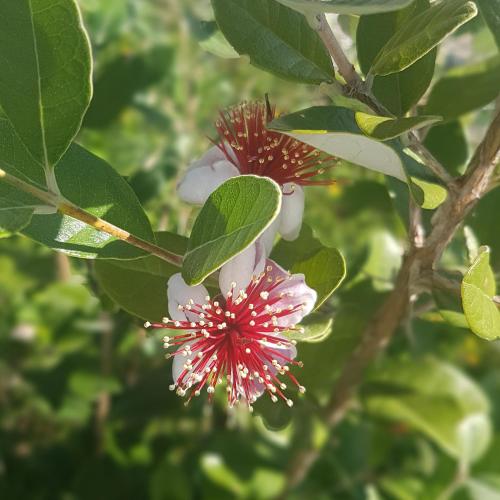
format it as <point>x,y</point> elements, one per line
<point>68,208</point>
<point>345,68</point>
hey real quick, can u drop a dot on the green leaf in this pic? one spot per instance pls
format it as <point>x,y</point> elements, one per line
<point>383,128</point>
<point>317,328</point>
<point>476,84</point>
<point>490,9</point>
<point>354,7</point>
<point>232,218</point>
<point>45,84</point>
<point>478,290</point>
<point>276,39</point>
<point>436,399</point>
<point>95,186</point>
<point>333,129</point>
<point>400,91</point>
<point>323,267</point>
<point>140,286</point>
<point>420,34</point>
<point>448,144</point>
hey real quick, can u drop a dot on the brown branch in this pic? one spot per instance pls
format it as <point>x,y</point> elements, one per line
<point>68,208</point>
<point>417,264</point>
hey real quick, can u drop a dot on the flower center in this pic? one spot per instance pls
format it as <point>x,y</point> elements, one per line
<point>237,339</point>
<point>246,142</point>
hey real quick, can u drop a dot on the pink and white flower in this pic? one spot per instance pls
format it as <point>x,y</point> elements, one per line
<point>245,146</point>
<point>237,337</point>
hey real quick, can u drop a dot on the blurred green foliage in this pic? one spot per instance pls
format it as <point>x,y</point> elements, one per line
<point>85,410</point>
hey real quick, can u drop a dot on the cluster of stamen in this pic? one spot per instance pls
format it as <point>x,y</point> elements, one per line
<point>244,136</point>
<point>235,339</point>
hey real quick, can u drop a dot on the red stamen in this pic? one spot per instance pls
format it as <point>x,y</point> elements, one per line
<point>253,149</point>
<point>236,339</point>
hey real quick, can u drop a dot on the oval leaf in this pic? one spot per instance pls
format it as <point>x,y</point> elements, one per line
<point>276,39</point>
<point>232,218</point>
<point>354,7</point>
<point>383,128</point>
<point>323,267</point>
<point>478,290</point>
<point>400,91</point>
<point>420,34</point>
<point>45,51</point>
<point>92,184</point>
<point>317,327</point>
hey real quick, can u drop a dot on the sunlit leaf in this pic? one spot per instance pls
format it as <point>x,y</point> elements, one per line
<point>383,128</point>
<point>355,7</point>
<point>45,82</point>
<point>398,92</point>
<point>232,218</point>
<point>276,38</point>
<point>478,290</point>
<point>420,34</point>
<point>93,185</point>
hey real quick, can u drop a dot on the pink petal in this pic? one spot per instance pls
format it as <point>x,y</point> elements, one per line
<point>293,291</point>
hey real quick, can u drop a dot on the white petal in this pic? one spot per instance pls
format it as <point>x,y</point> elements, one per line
<point>292,211</point>
<point>269,235</point>
<point>178,293</point>
<point>179,361</point>
<point>214,154</point>
<point>293,291</point>
<point>241,268</point>
<point>199,183</point>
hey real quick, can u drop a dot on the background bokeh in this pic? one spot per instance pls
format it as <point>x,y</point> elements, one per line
<point>85,410</point>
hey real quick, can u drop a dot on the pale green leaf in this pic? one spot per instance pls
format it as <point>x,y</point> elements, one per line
<point>354,7</point>
<point>398,92</point>
<point>232,218</point>
<point>478,290</point>
<point>317,328</point>
<point>276,38</point>
<point>383,128</point>
<point>92,184</point>
<point>420,34</point>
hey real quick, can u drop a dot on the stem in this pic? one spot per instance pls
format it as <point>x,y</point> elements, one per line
<point>345,68</point>
<point>359,89</point>
<point>68,208</point>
